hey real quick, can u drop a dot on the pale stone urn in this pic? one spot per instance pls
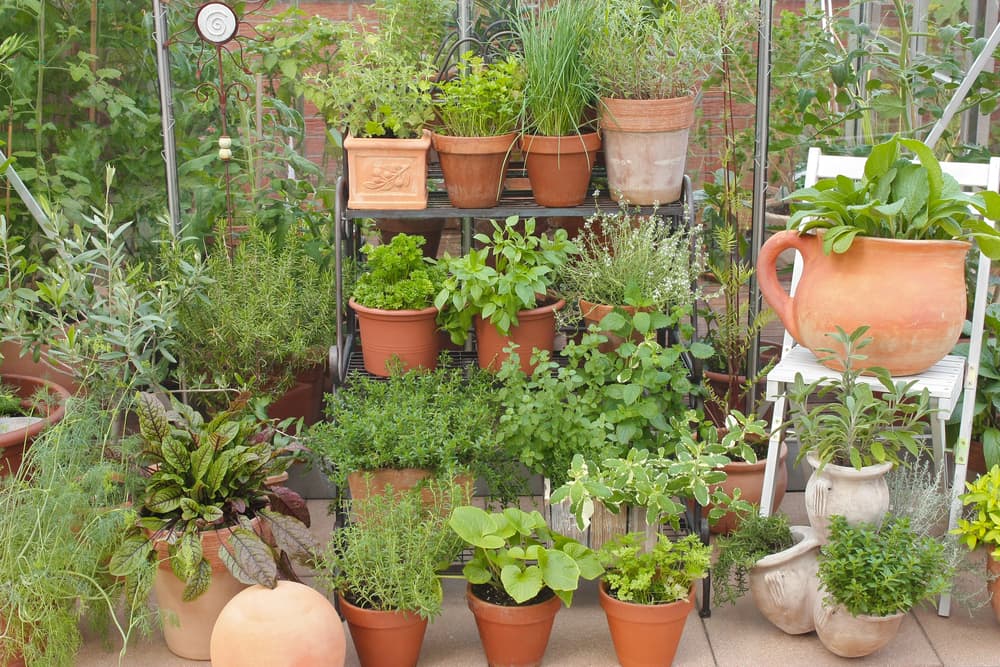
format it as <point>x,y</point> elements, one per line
<point>784,585</point>
<point>851,636</point>
<point>861,496</point>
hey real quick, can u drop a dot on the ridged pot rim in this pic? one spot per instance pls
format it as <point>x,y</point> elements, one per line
<point>805,540</point>
<point>20,436</point>
<point>834,470</point>
<point>744,467</point>
<point>376,618</point>
<point>382,142</point>
<point>675,609</point>
<point>491,145</point>
<point>543,144</point>
<point>668,114</point>
<point>388,314</point>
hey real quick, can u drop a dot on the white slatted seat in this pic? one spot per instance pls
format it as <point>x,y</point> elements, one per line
<point>945,381</point>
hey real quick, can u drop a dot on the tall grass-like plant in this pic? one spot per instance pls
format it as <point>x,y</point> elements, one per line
<point>559,83</point>
<point>621,255</point>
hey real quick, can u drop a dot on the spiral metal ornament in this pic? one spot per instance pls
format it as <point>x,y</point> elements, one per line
<point>216,22</point>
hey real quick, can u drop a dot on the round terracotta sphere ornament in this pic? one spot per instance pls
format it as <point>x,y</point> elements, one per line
<point>288,626</point>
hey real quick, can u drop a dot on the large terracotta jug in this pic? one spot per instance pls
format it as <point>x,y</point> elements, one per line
<point>911,294</point>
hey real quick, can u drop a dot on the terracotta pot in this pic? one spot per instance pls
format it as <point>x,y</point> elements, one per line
<point>12,363</point>
<point>513,636</point>
<point>593,313</point>
<point>645,147</point>
<point>993,568</point>
<point>861,496</point>
<point>914,321</point>
<point>474,168</point>
<point>383,638</point>
<point>429,228</point>
<point>291,624</point>
<point>368,483</point>
<point>852,636</point>
<point>559,167</point>
<point>187,626</point>
<point>719,382</point>
<point>14,442</point>
<point>387,173</point>
<point>410,335</point>
<point>304,398</point>
<point>749,479</point>
<point>784,586</point>
<point>535,328</point>
<point>645,635</point>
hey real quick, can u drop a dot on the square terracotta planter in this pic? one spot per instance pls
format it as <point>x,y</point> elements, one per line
<point>387,173</point>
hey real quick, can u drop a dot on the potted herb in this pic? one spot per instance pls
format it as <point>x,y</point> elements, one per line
<point>393,298</point>
<point>262,322</point>
<point>559,92</point>
<point>385,572</point>
<point>629,260</point>
<point>200,513</point>
<point>872,577</point>
<point>381,97</point>
<point>60,521</point>
<point>902,222</point>
<point>502,288</point>
<point>410,427</point>
<point>647,594</point>
<point>649,63</point>
<point>598,404</point>
<point>28,405</point>
<point>776,563</point>
<point>480,111</point>
<point>984,439</point>
<point>518,575</point>
<point>853,440</point>
<point>980,526</point>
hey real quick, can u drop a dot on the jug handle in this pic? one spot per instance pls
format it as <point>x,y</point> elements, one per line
<point>767,274</point>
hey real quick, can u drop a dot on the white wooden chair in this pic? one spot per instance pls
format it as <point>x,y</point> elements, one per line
<point>945,381</point>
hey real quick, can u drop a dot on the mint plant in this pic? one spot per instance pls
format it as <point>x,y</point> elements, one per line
<point>518,555</point>
<point>484,100</point>
<point>509,274</point>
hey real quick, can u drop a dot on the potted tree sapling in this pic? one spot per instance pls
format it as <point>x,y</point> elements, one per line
<point>776,563</point>
<point>520,574</point>
<point>901,222</point>
<point>393,298</point>
<point>480,111</point>
<point>503,290</point>
<point>853,440</point>
<point>201,517</point>
<point>385,571</point>
<point>559,144</point>
<point>871,578</point>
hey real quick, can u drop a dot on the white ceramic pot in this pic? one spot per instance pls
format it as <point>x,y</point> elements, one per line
<point>784,585</point>
<point>861,496</point>
<point>852,636</point>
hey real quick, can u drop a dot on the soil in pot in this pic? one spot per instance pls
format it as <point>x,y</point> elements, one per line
<point>535,328</point>
<point>645,635</point>
<point>384,638</point>
<point>515,635</point>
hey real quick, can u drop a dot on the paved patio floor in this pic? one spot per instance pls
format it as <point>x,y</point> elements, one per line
<point>736,636</point>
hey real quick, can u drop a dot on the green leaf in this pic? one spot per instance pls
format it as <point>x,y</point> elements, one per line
<point>701,350</point>
<point>198,582</point>
<point>476,527</point>
<point>291,535</point>
<point>522,585</point>
<point>475,573</point>
<point>165,500</point>
<point>249,559</point>
<point>559,571</point>
<point>130,556</point>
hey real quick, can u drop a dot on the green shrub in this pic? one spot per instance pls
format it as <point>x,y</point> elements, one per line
<point>397,277</point>
<point>739,552</point>
<point>661,575</point>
